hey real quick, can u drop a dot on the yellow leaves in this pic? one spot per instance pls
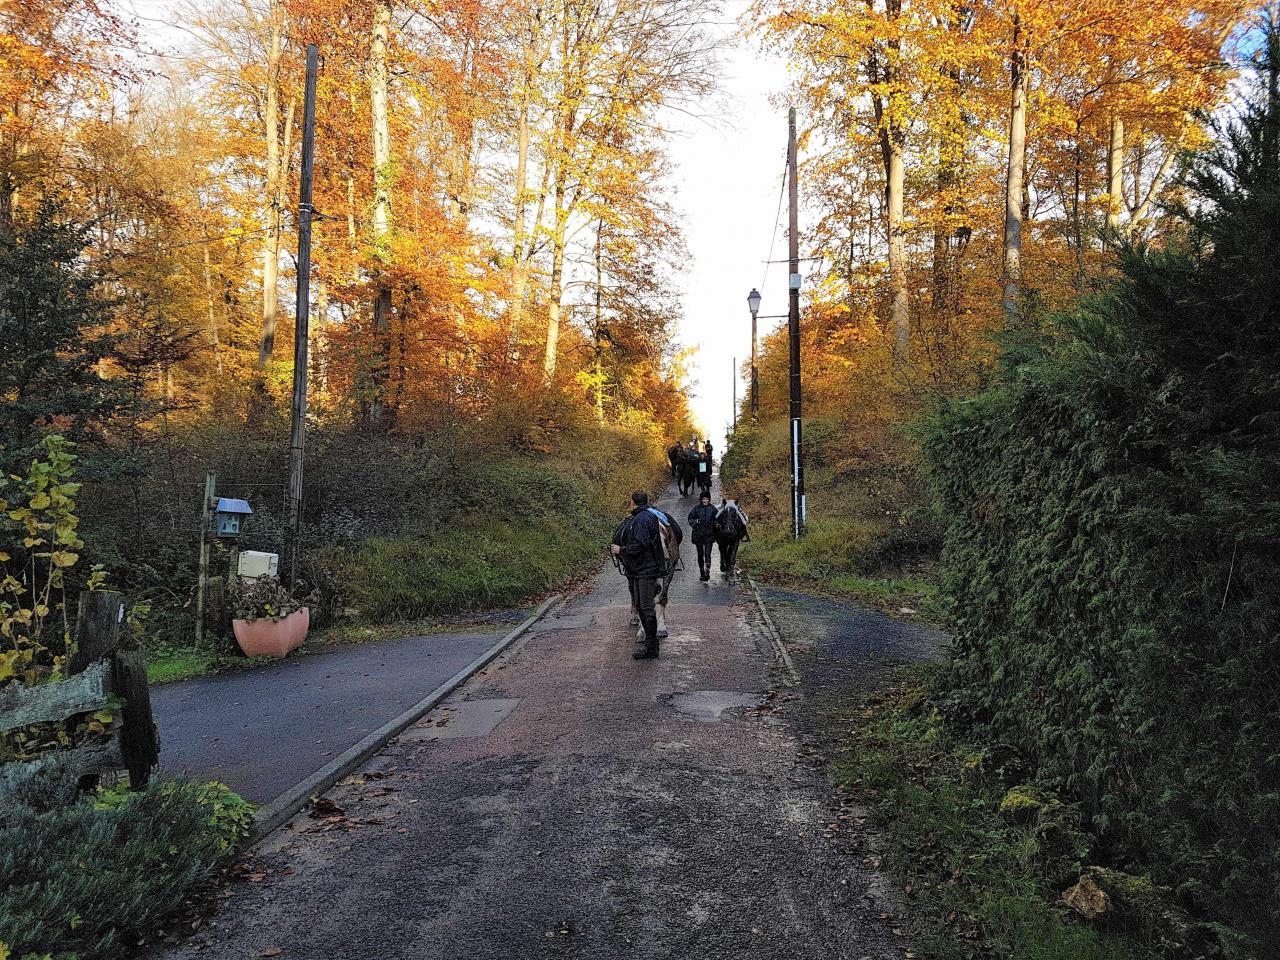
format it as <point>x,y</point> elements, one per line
<point>30,599</point>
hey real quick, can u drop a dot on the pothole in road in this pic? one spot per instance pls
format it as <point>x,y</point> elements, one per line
<point>709,705</point>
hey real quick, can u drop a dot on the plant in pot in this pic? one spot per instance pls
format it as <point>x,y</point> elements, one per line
<point>269,619</point>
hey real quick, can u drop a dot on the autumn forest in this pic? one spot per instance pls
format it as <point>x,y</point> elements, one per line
<point>1038,243</point>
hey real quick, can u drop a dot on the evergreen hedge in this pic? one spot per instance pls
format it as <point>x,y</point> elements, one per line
<point>81,880</point>
<point>1113,551</point>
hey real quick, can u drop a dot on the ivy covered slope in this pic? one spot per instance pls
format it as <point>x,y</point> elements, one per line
<point>1112,545</point>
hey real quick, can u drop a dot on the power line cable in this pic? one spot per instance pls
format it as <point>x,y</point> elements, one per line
<point>134,254</point>
<point>777,219</point>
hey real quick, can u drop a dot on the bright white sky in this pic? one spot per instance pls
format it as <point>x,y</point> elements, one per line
<point>728,174</point>
<point>728,171</point>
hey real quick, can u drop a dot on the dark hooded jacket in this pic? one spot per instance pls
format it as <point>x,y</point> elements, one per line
<point>702,523</point>
<point>640,538</point>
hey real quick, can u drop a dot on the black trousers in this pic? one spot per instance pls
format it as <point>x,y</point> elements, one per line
<point>644,593</point>
<point>729,555</point>
<point>704,554</point>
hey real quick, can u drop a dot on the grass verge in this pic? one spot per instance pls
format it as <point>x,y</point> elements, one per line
<point>982,872</point>
<point>826,561</point>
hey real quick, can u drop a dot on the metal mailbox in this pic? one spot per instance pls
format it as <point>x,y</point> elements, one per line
<point>230,513</point>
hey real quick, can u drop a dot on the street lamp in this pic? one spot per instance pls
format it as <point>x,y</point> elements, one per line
<point>753,303</point>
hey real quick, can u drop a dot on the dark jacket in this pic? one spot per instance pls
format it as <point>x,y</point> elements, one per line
<point>702,523</point>
<point>640,538</point>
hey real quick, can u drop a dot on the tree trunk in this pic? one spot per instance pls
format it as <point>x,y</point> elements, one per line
<point>599,325</point>
<point>1015,180</point>
<point>901,311</point>
<point>1077,225</point>
<point>213,320</point>
<point>556,291</point>
<point>519,255</point>
<point>320,362</point>
<point>1115,174</point>
<point>271,236</point>
<point>378,96</point>
<point>275,178</point>
<point>381,124</point>
<point>895,181</point>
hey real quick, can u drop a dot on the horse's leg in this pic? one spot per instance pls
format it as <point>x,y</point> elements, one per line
<point>661,610</point>
<point>635,610</point>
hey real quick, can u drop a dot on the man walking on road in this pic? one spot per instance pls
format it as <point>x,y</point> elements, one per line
<point>638,544</point>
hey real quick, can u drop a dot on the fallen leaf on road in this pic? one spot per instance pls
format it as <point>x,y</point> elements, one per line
<point>272,952</point>
<point>324,807</point>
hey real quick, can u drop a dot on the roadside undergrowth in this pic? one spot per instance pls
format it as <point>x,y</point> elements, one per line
<point>983,858</point>
<point>822,563</point>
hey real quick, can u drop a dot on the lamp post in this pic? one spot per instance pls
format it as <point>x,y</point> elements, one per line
<point>753,304</point>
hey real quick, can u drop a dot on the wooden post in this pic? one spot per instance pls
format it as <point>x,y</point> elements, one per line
<point>139,740</point>
<point>210,486</point>
<point>216,606</point>
<point>97,629</point>
<point>97,638</point>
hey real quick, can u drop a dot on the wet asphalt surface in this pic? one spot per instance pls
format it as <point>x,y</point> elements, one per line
<point>570,802</point>
<point>263,730</point>
<point>842,651</point>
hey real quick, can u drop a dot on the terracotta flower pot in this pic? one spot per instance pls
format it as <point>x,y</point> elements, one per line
<point>272,637</point>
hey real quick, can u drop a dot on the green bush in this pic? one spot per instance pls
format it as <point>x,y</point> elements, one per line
<point>1111,550</point>
<point>366,492</point>
<point>500,533</point>
<point>81,878</point>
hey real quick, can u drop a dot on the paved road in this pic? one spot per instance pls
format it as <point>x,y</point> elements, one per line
<point>842,651</point>
<point>261,731</point>
<point>570,802</point>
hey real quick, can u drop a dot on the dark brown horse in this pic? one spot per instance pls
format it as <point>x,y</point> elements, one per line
<point>687,472</point>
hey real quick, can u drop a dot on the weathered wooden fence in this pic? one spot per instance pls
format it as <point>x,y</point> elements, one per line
<point>99,672</point>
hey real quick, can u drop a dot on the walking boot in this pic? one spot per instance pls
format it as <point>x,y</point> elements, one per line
<point>650,652</point>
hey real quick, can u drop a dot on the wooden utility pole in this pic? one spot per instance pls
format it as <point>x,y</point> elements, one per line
<point>202,576</point>
<point>793,327</point>
<point>301,331</point>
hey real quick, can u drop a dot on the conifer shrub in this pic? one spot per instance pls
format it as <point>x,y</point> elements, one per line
<point>81,879</point>
<point>1112,546</point>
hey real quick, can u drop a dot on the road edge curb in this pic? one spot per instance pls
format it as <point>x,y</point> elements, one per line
<point>277,812</point>
<point>775,636</point>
